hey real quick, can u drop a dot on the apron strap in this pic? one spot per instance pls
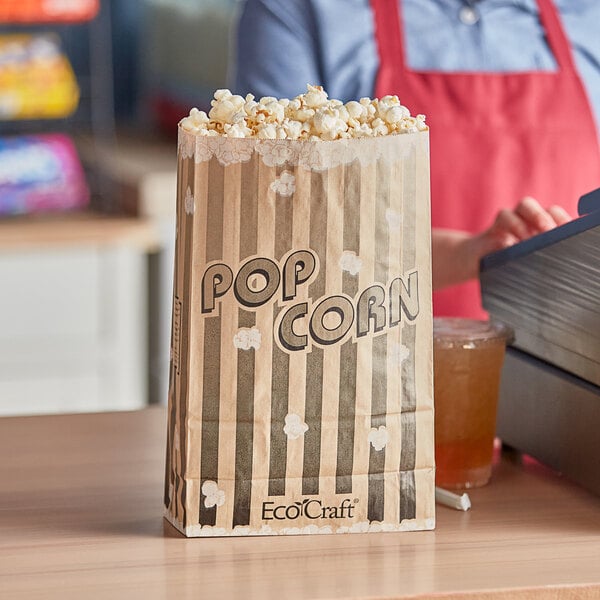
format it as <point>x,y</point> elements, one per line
<point>388,25</point>
<point>388,31</point>
<point>556,36</point>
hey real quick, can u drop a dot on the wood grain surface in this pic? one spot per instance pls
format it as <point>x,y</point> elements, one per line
<point>81,517</point>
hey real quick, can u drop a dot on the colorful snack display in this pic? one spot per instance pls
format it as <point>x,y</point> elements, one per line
<point>48,11</point>
<point>36,78</point>
<point>40,173</point>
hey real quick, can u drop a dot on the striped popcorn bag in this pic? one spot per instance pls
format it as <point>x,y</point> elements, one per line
<point>300,395</point>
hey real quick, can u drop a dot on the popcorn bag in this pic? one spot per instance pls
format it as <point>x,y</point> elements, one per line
<point>300,395</point>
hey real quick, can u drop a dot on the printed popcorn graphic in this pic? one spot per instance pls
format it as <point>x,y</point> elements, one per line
<point>230,154</point>
<point>285,185</point>
<point>379,437</point>
<point>189,202</point>
<point>214,496</point>
<point>394,219</point>
<point>275,153</point>
<point>295,427</point>
<point>186,146</point>
<point>399,353</point>
<point>245,339</point>
<point>350,263</point>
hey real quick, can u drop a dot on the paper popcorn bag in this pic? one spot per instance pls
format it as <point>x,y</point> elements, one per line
<point>301,377</point>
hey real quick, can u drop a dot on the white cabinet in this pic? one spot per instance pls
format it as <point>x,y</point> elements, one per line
<point>73,317</point>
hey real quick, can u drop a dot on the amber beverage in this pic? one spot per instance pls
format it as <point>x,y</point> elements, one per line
<point>468,357</point>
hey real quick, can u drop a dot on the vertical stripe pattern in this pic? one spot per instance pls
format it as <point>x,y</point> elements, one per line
<point>246,359</point>
<point>295,384</point>
<point>314,361</point>
<point>380,371</point>
<point>280,379</point>
<point>348,352</point>
<point>211,392</point>
<point>409,400</point>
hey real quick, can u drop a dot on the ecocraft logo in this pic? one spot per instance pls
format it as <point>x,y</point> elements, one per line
<point>324,321</point>
<point>309,508</point>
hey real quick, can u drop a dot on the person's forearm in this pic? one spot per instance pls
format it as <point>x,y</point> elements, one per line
<point>453,257</point>
<point>456,254</point>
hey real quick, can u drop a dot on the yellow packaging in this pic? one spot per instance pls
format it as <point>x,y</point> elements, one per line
<point>36,78</point>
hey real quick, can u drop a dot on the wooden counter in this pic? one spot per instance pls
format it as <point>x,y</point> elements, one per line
<point>81,517</point>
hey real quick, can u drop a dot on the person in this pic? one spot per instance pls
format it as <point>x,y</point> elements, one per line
<point>511,91</point>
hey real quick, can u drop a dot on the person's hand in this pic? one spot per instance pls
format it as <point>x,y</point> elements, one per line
<point>456,254</point>
<point>511,226</point>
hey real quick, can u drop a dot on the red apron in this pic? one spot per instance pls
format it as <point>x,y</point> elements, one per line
<point>495,137</point>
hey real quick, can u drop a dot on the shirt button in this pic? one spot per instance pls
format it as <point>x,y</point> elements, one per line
<point>468,15</point>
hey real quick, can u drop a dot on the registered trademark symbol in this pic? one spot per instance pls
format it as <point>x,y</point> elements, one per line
<point>355,500</point>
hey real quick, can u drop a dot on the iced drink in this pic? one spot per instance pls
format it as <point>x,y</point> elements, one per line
<point>468,357</point>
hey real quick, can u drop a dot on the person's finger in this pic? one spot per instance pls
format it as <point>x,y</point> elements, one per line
<point>536,218</point>
<point>506,240</point>
<point>559,214</point>
<point>490,241</point>
<point>508,222</point>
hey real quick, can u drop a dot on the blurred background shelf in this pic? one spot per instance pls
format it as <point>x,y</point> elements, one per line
<point>33,232</point>
<point>142,169</point>
<point>74,318</point>
<point>85,307</point>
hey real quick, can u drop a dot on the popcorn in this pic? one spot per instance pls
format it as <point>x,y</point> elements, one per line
<point>395,114</point>
<point>223,111</point>
<point>199,117</point>
<point>294,427</point>
<point>294,129</point>
<point>304,114</point>
<point>311,116</point>
<point>350,262</point>
<point>315,97</point>
<point>189,202</point>
<point>399,353</point>
<point>221,95</point>
<point>237,130</point>
<point>213,495</point>
<point>356,110</point>
<point>378,438</point>
<point>266,131</point>
<point>285,185</point>
<point>245,339</point>
<point>379,127</point>
<point>328,123</point>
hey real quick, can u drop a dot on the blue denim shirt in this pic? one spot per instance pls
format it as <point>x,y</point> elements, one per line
<point>284,44</point>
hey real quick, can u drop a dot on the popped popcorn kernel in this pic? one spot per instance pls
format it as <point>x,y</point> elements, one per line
<point>315,96</point>
<point>222,111</point>
<point>328,123</point>
<point>293,129</point>
<point>310,116</point>
<point>198,117</point>
<point>221,95</point>
<point>394,115</point>
<point>356,110</point>
<point>237,130</point>
<point>266,131</point>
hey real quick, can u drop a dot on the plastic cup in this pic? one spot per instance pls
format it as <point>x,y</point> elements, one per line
<point>468,358</point>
